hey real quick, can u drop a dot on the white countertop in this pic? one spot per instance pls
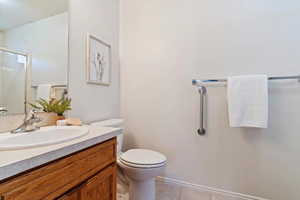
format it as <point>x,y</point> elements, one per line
<point>18,161</point>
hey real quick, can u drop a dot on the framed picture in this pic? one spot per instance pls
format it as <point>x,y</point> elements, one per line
<point>98,69</point>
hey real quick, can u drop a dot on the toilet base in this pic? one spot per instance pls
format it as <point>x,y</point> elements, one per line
<point>142,190</point>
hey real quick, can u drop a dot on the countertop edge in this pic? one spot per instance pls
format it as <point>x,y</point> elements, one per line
<point>16,168</point>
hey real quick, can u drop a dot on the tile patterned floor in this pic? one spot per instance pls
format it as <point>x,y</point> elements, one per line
<point>174,192</point>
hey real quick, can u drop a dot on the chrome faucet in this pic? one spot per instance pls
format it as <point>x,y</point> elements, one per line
<point>29,123</point>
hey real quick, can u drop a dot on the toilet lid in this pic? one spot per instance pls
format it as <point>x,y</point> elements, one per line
<point>143,157</point>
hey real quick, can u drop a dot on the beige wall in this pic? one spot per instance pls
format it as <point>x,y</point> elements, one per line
<point>100,18</point>
<point>165,44</point>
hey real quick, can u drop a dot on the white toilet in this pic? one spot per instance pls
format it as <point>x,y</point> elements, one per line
<point>141,166</point>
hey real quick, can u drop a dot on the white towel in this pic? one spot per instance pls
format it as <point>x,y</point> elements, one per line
<point>248,101</point>
<point>44,92</point>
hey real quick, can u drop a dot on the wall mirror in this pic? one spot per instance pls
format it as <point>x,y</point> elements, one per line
<point>33,52</point>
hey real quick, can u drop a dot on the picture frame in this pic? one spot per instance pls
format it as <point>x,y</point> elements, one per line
<point>98,61</point>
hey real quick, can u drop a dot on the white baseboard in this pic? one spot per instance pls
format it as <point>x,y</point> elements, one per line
<point>208,189</point>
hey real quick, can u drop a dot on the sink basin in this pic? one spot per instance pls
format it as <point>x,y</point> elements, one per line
<point>42,137</point>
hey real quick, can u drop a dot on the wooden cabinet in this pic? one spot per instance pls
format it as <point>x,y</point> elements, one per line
<point>100,187</point>
<point>72,195</point>
<point>86,175</point>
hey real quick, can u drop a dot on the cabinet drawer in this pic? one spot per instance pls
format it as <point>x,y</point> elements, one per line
<point>53,179</point>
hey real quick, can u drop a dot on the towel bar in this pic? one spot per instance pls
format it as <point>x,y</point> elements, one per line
<point>202,91</point>
<point>201,82</point>
<point>53,86</point>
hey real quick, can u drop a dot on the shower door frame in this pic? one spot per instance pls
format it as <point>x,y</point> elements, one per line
<point>27,67</point>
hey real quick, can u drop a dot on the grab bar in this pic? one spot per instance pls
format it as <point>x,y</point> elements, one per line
<point>202,91</point>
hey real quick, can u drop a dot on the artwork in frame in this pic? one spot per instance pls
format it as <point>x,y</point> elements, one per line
<point>98,61</point>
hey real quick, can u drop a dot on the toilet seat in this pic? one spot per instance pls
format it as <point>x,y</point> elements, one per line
<point>140,166</point>
<point>142,158</point>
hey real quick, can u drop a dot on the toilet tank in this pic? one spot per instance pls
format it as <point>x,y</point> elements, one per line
<point>115,123</point>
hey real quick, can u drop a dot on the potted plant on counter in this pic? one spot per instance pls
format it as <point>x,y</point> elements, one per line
<point>52,110</point>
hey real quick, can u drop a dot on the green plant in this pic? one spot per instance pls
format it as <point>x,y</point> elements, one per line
<point>56,106</point>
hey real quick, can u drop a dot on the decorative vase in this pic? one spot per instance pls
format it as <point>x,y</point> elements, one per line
<point>48,119</point>
<point>60,117</point>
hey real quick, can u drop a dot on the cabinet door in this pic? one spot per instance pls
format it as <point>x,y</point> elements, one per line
<point>73,195</point>
<point>101,187</point>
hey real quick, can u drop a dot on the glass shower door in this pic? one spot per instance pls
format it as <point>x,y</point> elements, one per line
<point>12,83</point>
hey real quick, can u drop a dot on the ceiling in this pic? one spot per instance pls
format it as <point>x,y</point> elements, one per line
<point>14,13</point>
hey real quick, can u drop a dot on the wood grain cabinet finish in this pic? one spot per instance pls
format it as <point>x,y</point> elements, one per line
<point>72,195</point>
<point>86,175</point>
<point>100,187</point>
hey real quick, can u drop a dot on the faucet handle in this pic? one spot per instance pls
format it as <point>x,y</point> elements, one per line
<point>33,113</point>
<point>34,116</point>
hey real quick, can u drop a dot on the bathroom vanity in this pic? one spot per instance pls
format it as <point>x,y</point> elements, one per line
<point>82,169</point>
